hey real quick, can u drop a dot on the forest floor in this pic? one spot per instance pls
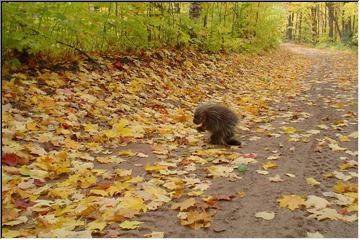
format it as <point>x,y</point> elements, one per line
<point>85,154</point>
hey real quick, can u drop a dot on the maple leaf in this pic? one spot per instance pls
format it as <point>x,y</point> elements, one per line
<point>133,203</point>
<point>130,224</point>
<point>155,168</point>
<point>110,159</point>
<point>219,171</point>
<point>316,202</point>
<point>195,219</point>
<point>291,201</point>
<point>91,128</point>
<point>184,205</point>
<point>9,159</point>
<point>98,224</point>
<point>324,213</point>
<point>341,187</point>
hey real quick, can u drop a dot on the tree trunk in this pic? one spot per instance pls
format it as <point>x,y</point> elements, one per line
<point>325,18</point>
<point>177,7</point>
<point>318,21</point>
<point>300,22</point>
<point>337,25</point>
<point>354,22</point>
<point>330,6</point>
<point>195,10</point>
<point>289,27</point>
<point>313,25</point>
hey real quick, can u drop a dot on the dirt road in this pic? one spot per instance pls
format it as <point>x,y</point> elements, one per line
<point>329,98</point>
<point>89,156</point>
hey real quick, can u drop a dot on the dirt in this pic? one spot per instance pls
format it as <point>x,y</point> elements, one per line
<point>329,80</point>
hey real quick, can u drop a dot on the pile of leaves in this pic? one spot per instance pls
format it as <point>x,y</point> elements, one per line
<point>86,152</point>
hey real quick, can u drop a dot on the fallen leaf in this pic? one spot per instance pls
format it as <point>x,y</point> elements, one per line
<point>130,224</point>
<point>312,182</point>
<point>184,205</point>
<point>276,178</point>
<point>154,235</point>
<point>314,235</point>
<point>265,215</point>
<point>316,202</point>
<point>291,201</point>
<point>268,165</point>
<point>289,130</point>
<point>262,172</point>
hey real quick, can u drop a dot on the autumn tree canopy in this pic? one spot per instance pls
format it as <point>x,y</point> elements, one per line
<point>53,28</point>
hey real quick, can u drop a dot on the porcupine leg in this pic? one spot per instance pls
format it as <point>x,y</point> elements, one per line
<point>217,138</point>
<point>233,141</point>
<point>230,138</point>
<point>201,129</point>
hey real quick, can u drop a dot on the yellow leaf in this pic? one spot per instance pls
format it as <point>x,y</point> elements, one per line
<point>7,233</point>
<point>127,153</point>
<point>291,201</point>
<point>352,207</point>
<point>220,171</point>
<point>91,128</point>
<point>184,205</point>
<point>316,202</point>
<point>17,221</point>
<point>269,164</point>
<point>289,130</point>
<point>155,235</point>
<point>110,159</point>
<point>195,219</point>
<point>96,225</point>
<point>134,203</point>
<point>339,187</point>
<point>344,138</point>
<point>241,194</point>
<point>312,181</point>
<point>130,224</point>
<point>69,143</point>
<point>98,192</point>
<point>32,126</point>
<point>155,168</point>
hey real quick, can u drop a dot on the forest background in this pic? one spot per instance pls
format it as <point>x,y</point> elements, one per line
<point>63,28</point>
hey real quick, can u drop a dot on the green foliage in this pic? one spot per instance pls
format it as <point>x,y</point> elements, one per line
<point>106,26</point>
<point>323,23</point>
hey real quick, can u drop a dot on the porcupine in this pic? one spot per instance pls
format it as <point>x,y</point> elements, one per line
<point>219,121</point>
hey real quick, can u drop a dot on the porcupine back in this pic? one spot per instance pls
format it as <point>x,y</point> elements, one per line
<point>218,118</point>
